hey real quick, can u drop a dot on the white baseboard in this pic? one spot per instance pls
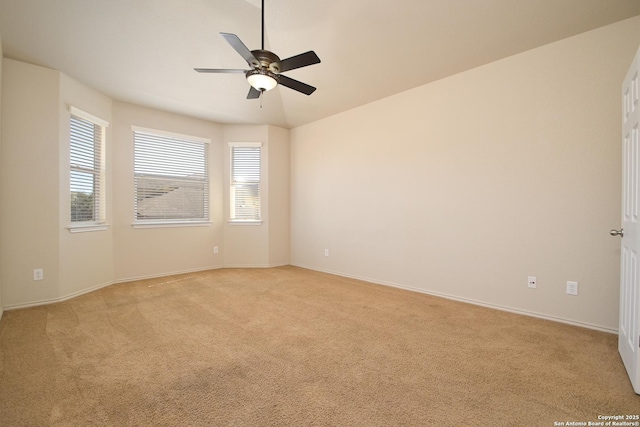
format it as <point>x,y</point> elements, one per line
<point>471,301</point>
<point>366,279</point>
<point>60,299</point>
<point>195,270</point>
<point>95,288</point>
<point>123,280</point>
<point>253,265</point>
<point>167,274</point>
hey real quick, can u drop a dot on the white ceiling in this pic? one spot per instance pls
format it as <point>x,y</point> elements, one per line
<point>144,51</point>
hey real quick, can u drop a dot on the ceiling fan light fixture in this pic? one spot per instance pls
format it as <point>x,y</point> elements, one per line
<point>262,80</point>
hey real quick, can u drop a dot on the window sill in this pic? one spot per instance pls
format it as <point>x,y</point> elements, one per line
<point>177,224</point>
<point>244,222</point>
<point>87,228</point>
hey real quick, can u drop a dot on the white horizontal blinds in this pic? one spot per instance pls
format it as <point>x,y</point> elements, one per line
<point>171,178</point>
<point>245,182</point>
<point>86,170</point>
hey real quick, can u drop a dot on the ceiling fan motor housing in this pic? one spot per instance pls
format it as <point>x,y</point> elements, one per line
<point>268,60</point>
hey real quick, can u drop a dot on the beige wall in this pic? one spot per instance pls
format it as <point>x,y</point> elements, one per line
<point>278,190</point>
<point>245,245</point>
<point>152,252</point>
<point>266,244</point>
<point>466,186</point>
<point>35,189</point>
<point>86,259</point>
<point>1,309</point>
<point>30,191</point>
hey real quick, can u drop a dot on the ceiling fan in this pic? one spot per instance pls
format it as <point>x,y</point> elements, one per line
<point>266,67</point>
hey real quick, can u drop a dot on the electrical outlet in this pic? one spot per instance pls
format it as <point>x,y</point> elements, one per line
<point>326,252</point>
<point>572,288</point>
<point>215,250</point>
<point>532,282</point>
<point>38,274</point>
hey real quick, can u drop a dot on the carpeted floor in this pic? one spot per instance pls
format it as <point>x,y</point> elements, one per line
<point>288,346</point>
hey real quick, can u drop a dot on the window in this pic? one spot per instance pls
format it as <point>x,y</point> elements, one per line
<point>245,181</point>
<point>171,178</point>
<point>86,161</point>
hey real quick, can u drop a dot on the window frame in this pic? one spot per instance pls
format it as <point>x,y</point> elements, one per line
<point>173,222</point>
<point>238,221</point>
<point>99,171</point>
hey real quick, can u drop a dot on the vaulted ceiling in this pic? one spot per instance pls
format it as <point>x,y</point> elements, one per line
<point>144,51</point>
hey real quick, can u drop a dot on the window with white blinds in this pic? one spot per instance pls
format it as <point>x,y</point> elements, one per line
<point>171,177</point>
<point>86,162</point>
<point>245,181</point>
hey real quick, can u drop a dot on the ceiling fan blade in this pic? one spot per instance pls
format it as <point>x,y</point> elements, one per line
<point>253,93</point>
<point>299,61</point>
<point>237,44</point>
<point>296,85</point>
<point>213,70</point>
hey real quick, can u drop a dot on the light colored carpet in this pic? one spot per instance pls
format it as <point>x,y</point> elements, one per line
<point>288,346</point>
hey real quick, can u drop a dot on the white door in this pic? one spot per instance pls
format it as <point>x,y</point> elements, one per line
<point>629,328</point>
